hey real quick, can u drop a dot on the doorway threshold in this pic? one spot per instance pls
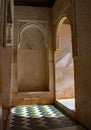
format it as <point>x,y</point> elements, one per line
<point>67,105</point>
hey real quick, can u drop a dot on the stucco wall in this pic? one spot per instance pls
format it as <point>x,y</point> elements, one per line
<point>36,16</point>
<point>83,61</point>
<point>26,14</point>
<point>80,17</point>
<point>32,61</point>
<point>6,55</point>
<point>6,75</point>
<point>23,16</point>
<point>32,70</point>
<point>61,8</point>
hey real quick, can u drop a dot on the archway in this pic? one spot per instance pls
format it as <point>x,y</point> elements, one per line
<point>64,65</point>
<point>32,59</point>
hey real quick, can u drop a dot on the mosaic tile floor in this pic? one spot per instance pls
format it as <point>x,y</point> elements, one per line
<point>38,117</point>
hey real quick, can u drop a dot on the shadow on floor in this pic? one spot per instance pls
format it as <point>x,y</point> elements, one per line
<point>38,117</point>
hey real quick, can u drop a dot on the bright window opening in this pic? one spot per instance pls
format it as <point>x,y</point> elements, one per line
<point>64,65</point>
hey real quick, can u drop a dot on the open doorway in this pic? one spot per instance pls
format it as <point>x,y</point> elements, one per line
<point>64,66</point>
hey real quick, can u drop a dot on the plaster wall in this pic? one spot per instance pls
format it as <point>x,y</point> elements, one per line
<point>80,17</point>
<point>24,15</point>
<point>61,8</point>
<point>6,54</point>
<point>35,60</point>
<point>83,62</point>
<point>6,75</point>
<point>32,70</point>
<point>32,60</point>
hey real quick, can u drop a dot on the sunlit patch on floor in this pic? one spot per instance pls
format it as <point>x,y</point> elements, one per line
<point>38,117</point>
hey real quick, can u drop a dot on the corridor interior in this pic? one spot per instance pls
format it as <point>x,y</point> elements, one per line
<point>43,85</point>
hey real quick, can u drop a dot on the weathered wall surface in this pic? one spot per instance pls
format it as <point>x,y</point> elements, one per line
<point>6,75</point>
<point>60,9</point>
<point>82,57</point>
<point>83,62</point>
<point>32,61</point>
<point>32,70</point>
<point>6,54</point>
<point>25,15</point>
<point>81,15</point>
<point>42,17</point>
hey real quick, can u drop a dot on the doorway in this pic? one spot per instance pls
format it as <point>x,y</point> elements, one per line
<point>64,65</point>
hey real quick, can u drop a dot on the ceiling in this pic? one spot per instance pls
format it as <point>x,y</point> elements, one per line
<point>40,3</point>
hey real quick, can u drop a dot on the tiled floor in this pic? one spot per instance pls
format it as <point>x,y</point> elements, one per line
<point>69,103</point>
<point>71,128</point>
<point>39,117</point>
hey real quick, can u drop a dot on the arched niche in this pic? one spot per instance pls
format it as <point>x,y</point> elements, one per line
<point>32,58</point>
<point>32,36</point>
<point>64,65</point>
